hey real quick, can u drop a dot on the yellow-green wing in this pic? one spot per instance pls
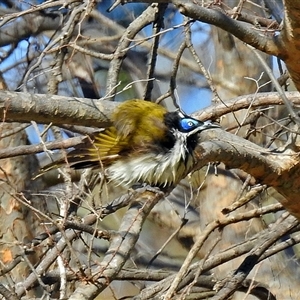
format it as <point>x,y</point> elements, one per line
<point>101,149</point>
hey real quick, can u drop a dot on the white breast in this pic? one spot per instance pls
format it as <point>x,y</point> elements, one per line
<point>154,169</point>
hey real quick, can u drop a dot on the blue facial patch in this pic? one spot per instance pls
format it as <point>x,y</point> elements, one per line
<point>188,124</point>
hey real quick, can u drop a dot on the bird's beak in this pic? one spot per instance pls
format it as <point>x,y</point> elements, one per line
<point>204,126</point>
<point>209,124</point>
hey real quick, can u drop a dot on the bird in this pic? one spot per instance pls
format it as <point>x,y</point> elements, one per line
<point>146,144</point>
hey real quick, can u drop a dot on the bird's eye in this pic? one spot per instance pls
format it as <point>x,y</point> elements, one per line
<point>188,124</point>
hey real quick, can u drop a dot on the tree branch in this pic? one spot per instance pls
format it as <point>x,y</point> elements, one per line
<point>26,26</point>
<point>279,170</point>
<point>242,31</point>
<point>32,149</point>
<point>24,107</point>
<point>60,110</point>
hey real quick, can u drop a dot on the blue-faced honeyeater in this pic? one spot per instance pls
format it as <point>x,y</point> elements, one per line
<point>145,144</point>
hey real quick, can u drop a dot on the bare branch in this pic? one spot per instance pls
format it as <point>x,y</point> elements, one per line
<point>24,107</point>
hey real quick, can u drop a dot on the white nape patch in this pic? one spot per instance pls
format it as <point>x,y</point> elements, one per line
<point>155,169</point>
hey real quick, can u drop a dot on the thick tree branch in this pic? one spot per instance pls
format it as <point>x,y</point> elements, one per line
<point>59,110</point>
<point>25,107</point>
<point>279,170</point>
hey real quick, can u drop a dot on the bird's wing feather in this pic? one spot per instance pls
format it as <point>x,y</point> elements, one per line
<point>109,143</point>
<point>100,149</point>
<point>93,151</point>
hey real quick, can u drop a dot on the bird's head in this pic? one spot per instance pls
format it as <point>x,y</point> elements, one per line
<point>185,129</point>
